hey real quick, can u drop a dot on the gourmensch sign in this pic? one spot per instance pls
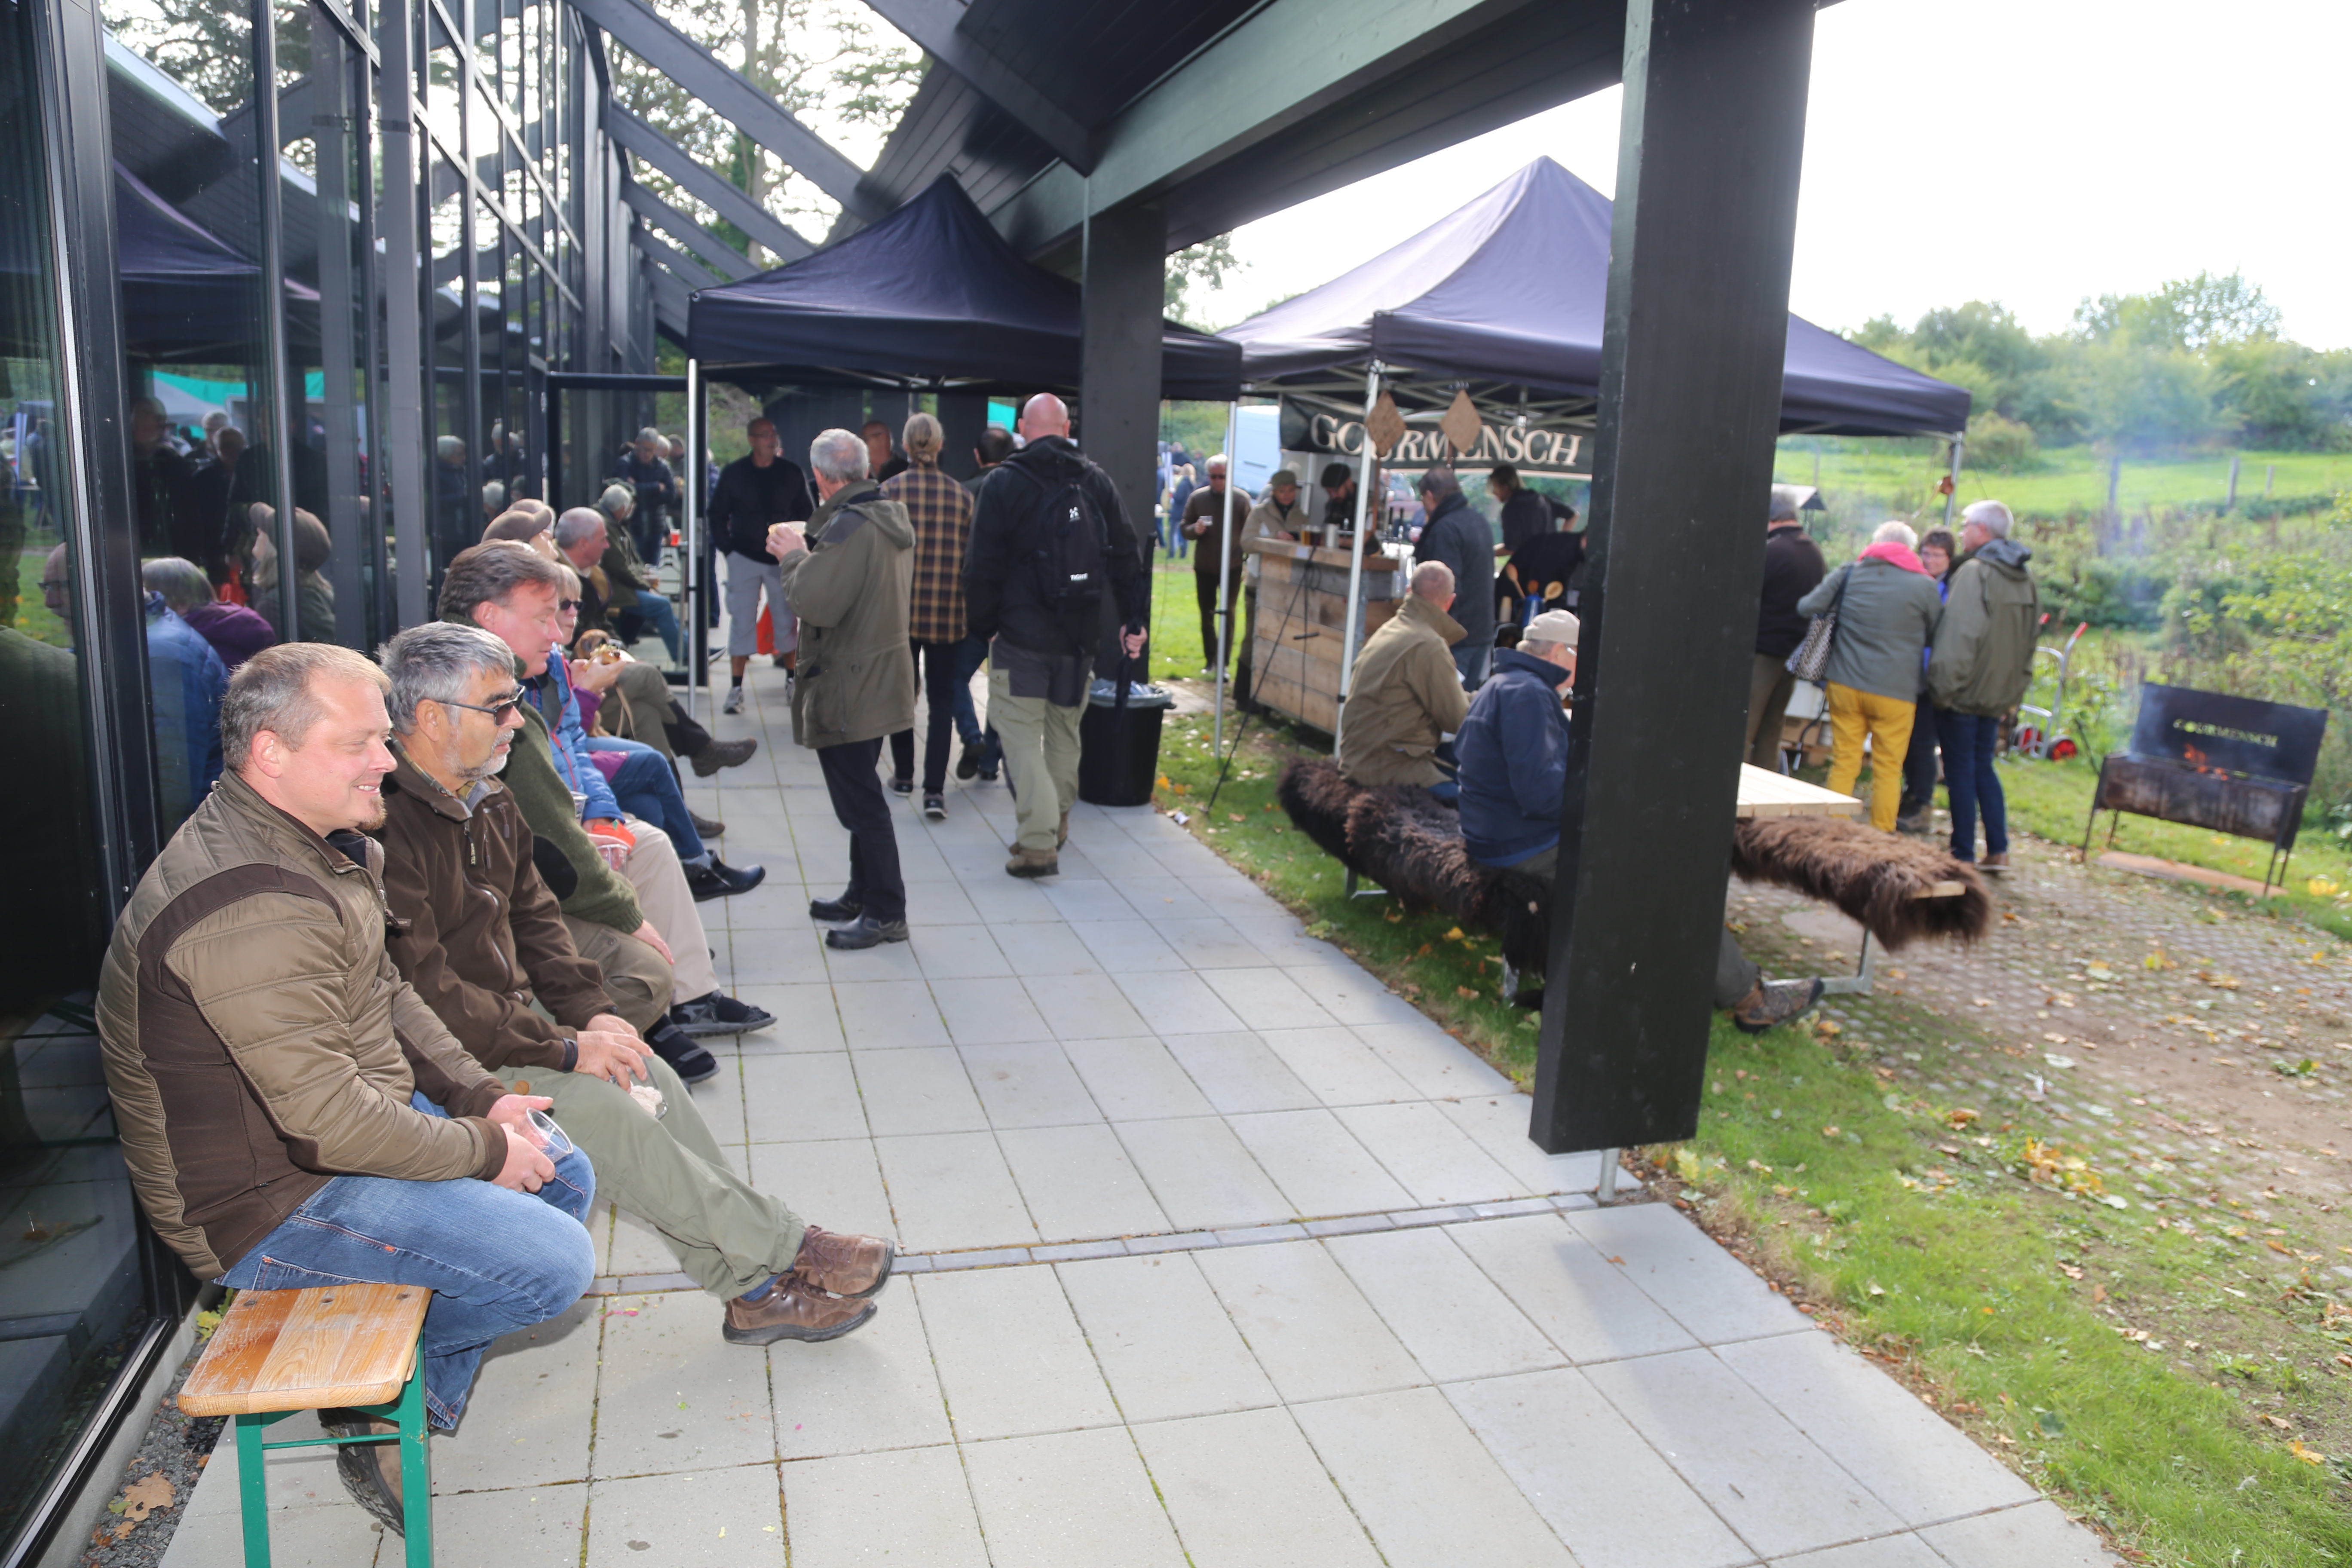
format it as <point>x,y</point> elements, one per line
<point>1533,451</point>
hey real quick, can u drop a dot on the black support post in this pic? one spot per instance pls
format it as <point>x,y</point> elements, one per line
<point>1118,365</point>
<point>1695,332</point>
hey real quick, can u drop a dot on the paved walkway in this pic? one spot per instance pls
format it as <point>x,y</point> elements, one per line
<point>1218,1253</point>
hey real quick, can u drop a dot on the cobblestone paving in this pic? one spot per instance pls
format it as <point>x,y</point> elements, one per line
<point>2195,1052</point>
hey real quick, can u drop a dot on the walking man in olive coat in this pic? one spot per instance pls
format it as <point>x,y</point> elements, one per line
<point>849,576</point>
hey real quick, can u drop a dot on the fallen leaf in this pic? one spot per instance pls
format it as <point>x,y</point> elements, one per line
<point>142,1498</point>
<point>2281,1422</point>
<point>2098,1293</point>
<point>2308,1456</point>
<point>1829,1132</point>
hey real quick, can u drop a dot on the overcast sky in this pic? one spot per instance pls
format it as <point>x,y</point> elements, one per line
<point>2029,151</point>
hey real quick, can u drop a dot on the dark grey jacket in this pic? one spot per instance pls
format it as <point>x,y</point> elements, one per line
<point>1459,534</point>
<point>1885,623</point>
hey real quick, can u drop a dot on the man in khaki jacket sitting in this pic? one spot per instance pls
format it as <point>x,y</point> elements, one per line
<point>1405,695</point>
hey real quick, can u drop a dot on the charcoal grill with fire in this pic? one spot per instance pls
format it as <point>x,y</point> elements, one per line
<point>2231,764</point>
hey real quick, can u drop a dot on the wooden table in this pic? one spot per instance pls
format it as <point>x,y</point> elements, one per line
<point>1302,624</point>
<point>1763,792</point>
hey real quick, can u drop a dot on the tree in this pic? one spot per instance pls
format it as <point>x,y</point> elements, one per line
<point>1209,262</point>
<point>2199,314</point>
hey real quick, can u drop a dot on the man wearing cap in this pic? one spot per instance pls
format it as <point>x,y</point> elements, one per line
<point>1404,695</point>
<point>1514,760</point>
<point>1277,515</point>
<point>1338,482</point>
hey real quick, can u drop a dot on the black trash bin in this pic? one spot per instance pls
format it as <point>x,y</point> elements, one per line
<point>1119,762</point>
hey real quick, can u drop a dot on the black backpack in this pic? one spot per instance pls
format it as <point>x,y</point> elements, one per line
<point>1073,548</point>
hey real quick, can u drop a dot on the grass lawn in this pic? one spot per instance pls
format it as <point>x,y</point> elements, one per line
<point>2127,1367</point>
<point>2070,479</point>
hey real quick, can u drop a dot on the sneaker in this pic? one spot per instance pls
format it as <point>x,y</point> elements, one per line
<point>688,1060</point>
<point>1771,1001</point>
<point>857,1266</point>
<point>786,1308</point>
<point>718,1014</point>
<point>734,703</point>
<point>866,931</point>
<point>719,881</point>
<point>968,760</point>
<point>706,826</point>
<point>988,775</point>
<point>723,754</point>
<point>902,786</point>
<point>935,808</point>
<point>1913,822</point>
<point>836,911</point>
<point>370,1471</point>
<point>1033,863</point>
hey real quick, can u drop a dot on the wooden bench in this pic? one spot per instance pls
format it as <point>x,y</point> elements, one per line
<point>278,1352</point>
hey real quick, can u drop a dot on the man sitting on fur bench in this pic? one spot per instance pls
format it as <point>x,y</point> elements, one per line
<point>1405,696</point>
<point>1513,749</point>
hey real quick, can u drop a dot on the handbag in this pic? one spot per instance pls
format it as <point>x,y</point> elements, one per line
<point>1811,659</point>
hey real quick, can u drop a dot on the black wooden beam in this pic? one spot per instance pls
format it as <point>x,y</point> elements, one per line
<point>691,272</point>
<point>731,96</point>
<point>1124,286</point>
<point>722,197</point>
<point>715,254</point>
<point>1695,332</point>
<point>932,25</point>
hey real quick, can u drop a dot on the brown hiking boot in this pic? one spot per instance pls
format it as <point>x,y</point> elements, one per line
<point>1034,863</point>
<point>722,754</point>
<point>857,1266</point>
<point>792,1310</point>
<point>1996,864</point>
<point>1061,837</point>
<point>1770,1002</point>
<point>370,1471</point>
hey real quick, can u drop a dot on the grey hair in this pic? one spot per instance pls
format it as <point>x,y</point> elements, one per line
<point>923,437</point>
<point>1990,515</point>
<point>1894,531</point>
<point>618,501</point>
<point>435,662</point>
<point>840,456</point>
<point>494,496</point>
<point>575,526</point>
<point>448,446</point>
<point>1530,647</point>
<point>489,574</point>
<point>650,434</point>
<point>276,690</point>
<point>1788,500</point>
<point>1432,573</point>
<point>1440,482</point>
<point>182,583</point>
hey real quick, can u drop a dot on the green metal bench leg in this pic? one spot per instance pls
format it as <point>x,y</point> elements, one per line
<point>253,1489</point>
<point>416,1469</point>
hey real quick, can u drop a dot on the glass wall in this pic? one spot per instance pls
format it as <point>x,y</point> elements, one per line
<point>294,283</point>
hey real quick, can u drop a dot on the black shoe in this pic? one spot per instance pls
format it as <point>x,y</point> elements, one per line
<point>721,754</point>
<point>686,1059</point>
<point>370,1471</point>
<point>719,880</point>
<point>866,931</point>
<point>719,1014</point>
<point>707,826</point>
<point>988,775</point>
<point>969,760</point>
<point>935,808</point>
<point>902,786</point>
<point>836,911</point>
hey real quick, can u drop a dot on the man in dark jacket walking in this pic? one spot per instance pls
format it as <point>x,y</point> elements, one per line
<point>1042,635</point>
<point>1982,664</point>
<point>1793,568</point>
<point>847,577</point>
<point>645,470</point>
<point>753,494</point>
<point>1459,535</point>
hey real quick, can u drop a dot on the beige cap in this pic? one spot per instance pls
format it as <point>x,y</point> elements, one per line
<point>1282,476</point>
<point>1554,627</point>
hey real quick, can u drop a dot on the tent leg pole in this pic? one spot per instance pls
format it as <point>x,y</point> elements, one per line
<point>1356,558</point>
<point>1952,501</point>
<point>698,659</point>
<point>1224,564</point>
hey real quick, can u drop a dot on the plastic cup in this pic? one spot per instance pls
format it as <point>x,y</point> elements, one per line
<point>552,1141</point>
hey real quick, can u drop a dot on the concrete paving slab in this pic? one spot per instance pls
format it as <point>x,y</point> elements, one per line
<point>952,1190</point>
<point>1012,1358</point>
<point>668,1401</point>
<point>1078,1183</point>
<point>869,1391</point>
<point>1451,1318</point>
<point>1305,1322</point>
<point>1246,1492</point>
<point>723,1516</point>
<point>1070,1499</point>
<point>1165,1343</point>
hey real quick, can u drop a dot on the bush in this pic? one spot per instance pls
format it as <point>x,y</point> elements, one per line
<point>2000,445</point>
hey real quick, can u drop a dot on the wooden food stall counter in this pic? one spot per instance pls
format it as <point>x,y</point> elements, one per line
<point>1302,620</point>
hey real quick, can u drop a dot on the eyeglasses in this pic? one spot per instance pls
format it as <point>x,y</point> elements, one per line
<point>565,606</point>
<point>497,710</point>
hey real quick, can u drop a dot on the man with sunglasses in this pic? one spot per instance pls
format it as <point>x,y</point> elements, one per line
<point>481,940</point>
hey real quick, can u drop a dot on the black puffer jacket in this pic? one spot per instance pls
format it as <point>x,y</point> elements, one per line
<point>1001,593</point>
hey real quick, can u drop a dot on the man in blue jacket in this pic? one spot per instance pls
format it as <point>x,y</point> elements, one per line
<point>1513,751</point>
<point>1459,534</point>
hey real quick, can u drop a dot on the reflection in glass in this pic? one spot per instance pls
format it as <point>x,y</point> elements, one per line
<point>73,1286</point>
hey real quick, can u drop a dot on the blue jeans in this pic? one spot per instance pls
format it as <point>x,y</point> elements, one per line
<point>1968,741</point>
<point>970,654</point>
<point>495,1260</point>
<point>659,615</point>
<point>646,787</point>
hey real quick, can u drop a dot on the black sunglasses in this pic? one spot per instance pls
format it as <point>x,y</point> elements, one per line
<point>497,710</point>
<point>562,604</point>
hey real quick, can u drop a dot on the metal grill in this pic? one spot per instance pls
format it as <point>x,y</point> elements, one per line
<point>2204,759</point>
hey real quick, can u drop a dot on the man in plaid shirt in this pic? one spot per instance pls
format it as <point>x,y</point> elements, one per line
<point>941,510</point>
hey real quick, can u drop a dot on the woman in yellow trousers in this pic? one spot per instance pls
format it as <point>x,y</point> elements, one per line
<point>1887,610</point>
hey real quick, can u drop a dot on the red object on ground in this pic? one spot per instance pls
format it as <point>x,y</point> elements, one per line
<point>767,634</point>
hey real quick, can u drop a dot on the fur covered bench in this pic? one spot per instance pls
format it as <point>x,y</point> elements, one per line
<point>1899,889</point>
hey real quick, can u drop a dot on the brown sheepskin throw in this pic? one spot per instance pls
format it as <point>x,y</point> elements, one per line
<point>1402,839</point>
<point>1874,877</point>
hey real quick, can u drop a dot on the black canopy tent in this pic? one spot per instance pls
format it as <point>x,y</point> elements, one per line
<point>1503,299</point>
<point>932,298</point>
